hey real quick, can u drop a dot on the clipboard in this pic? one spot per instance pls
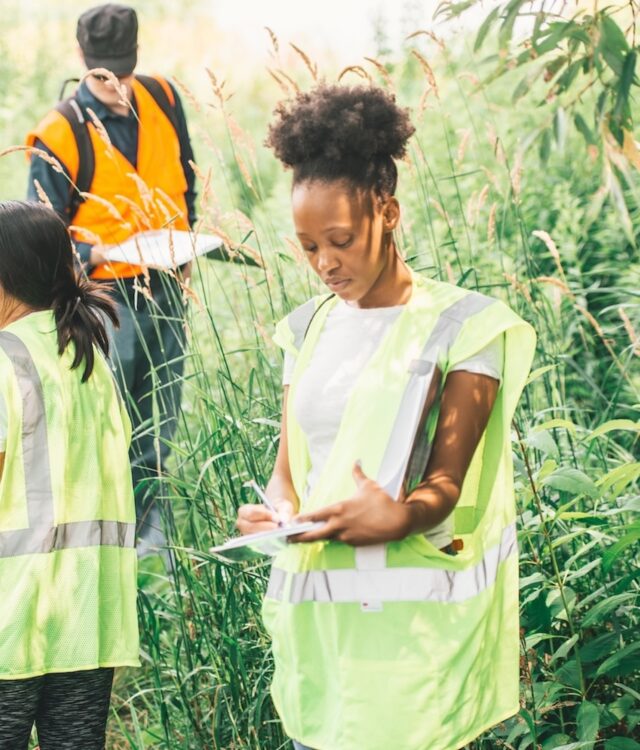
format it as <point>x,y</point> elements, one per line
<point>165,248</point>
<point>264,543</point>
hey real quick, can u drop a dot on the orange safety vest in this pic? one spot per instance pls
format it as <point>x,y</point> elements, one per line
<point>123,200</point>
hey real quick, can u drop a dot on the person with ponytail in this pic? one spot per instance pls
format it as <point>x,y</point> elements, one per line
<point>395,624</point>
<point>67,512</point>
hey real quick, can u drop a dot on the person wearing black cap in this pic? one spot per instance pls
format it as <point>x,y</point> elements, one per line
<point>141,175</point>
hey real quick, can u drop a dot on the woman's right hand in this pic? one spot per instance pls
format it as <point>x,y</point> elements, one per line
<point>254,518</point>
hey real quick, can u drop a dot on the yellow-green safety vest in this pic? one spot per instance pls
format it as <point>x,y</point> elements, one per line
<point>401,646</point>
<point>67,518</point>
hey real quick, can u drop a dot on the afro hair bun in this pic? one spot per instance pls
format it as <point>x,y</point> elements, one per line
<point>340,124</point>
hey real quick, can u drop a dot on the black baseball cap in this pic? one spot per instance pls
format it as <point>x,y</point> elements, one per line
<point>108,38</point>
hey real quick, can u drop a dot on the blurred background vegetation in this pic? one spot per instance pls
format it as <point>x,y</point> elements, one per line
<point>522,181</point>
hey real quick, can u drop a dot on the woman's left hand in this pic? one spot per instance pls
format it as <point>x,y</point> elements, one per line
<point>370,516</point>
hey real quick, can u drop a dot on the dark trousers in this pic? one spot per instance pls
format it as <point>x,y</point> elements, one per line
<point>148,355</point>
<point>69,710</point>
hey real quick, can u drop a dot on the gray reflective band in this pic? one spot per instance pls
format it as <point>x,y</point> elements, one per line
<point>42,536</point>
<point>353,586</point>
<point>299,321</point>
<point>37,475</point>
<point>42,539</point>
<point>393,467</point>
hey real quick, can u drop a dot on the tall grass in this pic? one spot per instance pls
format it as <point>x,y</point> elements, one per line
<point>479,211</point>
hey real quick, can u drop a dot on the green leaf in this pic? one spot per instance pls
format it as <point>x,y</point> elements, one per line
<point>555,602</point>
<point>545,145</point>
<point>530,580</point>
<point>583,571</point>
<point>551,424</point>
<point>522,89</point>
<point>617,479</point>
<point>568,77</point>
<point>630,691</point>
<point>485,27</point>
<point>529,720</point>
<point>506,29</point>
<point>614,424</point>
<point>555,741</point>
<point>621,707</point>
<point>551,37</point>
<point>540,371</point>
<point>569,674</point>
<point>621,112</point>
<point>451,10</point>
<point>588,722</point>
<point>613,44</point>
<point>601,102</point>
<point>599,647</point>
<point>599,611</point>
<point>612,34</point>
<point>533,640</point>
<point>544,442</point>
<point>609,665</point>
<point>621,743</point>
<point>547,468</point>
<point>587,518</point>
<point>562,651</point>
<point>613,552</point>
<point>552,67</point>
<point>583,128</point>
<point>571,480</point>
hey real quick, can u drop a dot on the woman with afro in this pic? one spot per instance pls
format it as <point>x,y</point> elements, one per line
<point>394,624</point>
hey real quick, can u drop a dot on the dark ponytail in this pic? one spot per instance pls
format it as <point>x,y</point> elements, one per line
<point>37,268</point>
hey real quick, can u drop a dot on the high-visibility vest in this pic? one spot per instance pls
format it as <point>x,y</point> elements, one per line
<point>67,516</point>
<point>127,199</point>
<point>401,645</point>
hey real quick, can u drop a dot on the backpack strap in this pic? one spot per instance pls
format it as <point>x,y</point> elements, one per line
<point>162,95</point>
<point>73,114</point>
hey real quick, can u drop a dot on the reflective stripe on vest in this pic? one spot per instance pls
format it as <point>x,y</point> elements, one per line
<point>393,470</point>
<point>42,535</point>
<point>353,586</point>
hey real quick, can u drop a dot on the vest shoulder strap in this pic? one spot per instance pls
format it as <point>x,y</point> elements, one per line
<point>73,114</point>
<point>301,318</point>
<point>162,95</point>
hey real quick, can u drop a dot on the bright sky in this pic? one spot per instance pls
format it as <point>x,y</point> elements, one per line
<point>344,27</point>
<point>229,37</point>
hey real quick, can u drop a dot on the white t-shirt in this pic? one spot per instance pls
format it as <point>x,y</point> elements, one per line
<point>348,339</point>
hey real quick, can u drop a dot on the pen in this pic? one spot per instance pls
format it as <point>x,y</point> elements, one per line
<point>262,495</point>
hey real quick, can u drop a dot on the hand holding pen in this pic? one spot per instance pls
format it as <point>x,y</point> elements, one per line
<point>265,517</point>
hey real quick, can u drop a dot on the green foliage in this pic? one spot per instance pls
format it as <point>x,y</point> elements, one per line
<point>584,64</point>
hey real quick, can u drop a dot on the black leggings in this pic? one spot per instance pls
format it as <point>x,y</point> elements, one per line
<point>69,710</point>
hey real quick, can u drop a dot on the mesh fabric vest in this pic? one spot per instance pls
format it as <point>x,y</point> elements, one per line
<point>401,645</point>
<point>123,200</point>
<point>67,519</point>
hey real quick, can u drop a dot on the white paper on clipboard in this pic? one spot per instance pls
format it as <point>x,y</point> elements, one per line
<point>163,248</point>
<point>263,543</point>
